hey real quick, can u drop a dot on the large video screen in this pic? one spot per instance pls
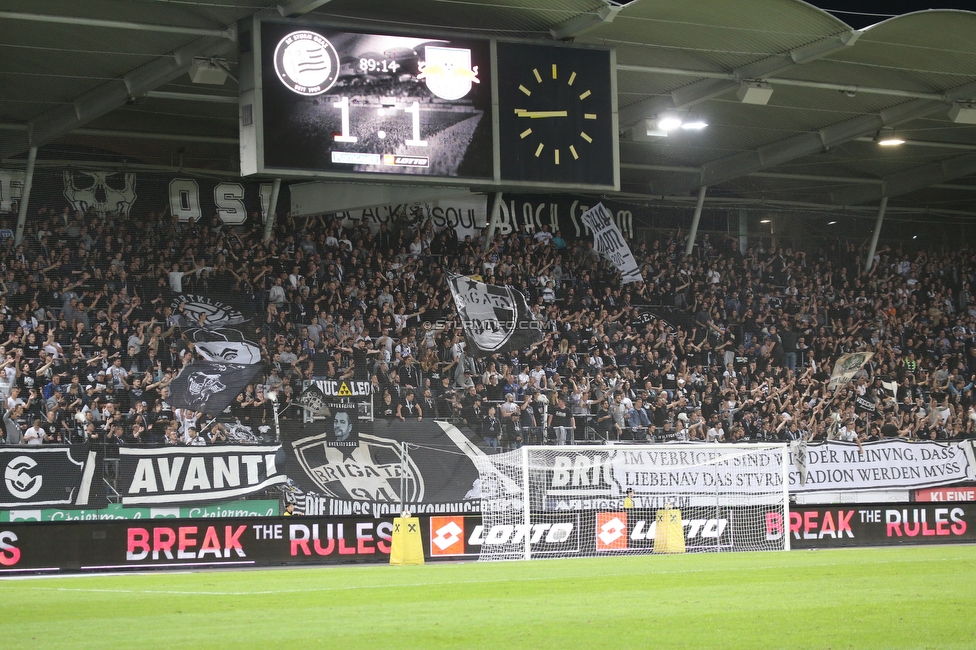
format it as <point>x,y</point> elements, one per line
<point>340,102</point>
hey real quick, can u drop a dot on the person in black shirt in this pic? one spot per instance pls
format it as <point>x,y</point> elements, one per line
<point>562,423</point>
<point>360,358</point>
<point>491,429</point>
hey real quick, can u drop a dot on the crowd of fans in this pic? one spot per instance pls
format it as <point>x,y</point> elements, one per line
<point>717,345</point>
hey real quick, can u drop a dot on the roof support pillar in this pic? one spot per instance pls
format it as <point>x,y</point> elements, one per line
<point>694,220</point>
<point>269,220</point>
<point>877,234</point>
<point>25,196</point>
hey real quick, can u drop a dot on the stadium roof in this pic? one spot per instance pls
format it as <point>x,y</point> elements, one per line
<point>112,74</point>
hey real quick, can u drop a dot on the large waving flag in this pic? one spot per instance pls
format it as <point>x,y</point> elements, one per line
<point>610,244</point>
<point>210,387</point>
<point>495,318</point>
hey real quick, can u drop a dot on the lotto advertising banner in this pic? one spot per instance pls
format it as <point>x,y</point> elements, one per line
<point>463,536</point>
<point>875,525</point>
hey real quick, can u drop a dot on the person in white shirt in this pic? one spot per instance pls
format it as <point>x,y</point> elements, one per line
<point>194,439</point>
<point>716,433</point>
<point>34,436</point>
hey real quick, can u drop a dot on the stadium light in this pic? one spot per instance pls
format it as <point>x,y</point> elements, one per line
<point>651,130</point>
<point>668,122</point>
<point>888,138</point>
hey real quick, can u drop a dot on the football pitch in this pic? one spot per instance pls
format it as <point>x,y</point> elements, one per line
<point>912,597</point>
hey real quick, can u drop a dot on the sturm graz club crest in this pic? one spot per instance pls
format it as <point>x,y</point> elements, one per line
<point>217,312</point>
<point>306,63</point>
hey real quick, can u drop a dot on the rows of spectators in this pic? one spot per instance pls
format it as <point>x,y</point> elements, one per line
<point>93,312</point>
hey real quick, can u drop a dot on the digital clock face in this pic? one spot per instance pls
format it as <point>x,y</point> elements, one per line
<point>337,101</point>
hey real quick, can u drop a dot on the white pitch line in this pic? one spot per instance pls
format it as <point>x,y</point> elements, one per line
<point>270,592</point>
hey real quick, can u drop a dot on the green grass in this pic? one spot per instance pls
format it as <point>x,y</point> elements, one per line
<point>914,597</point>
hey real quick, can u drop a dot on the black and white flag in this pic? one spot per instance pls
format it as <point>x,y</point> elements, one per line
<point>495,318</point>
<point>610,244</point>
<point>890,386</point>
<point>846,367</point>
<point>226,344</point>
<point>798,448</point>
<point>210,387</point>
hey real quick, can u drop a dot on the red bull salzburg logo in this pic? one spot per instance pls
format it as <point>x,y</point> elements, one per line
<point>448,71</point>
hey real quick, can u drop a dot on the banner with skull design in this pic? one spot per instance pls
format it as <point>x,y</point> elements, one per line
<point>223,344</point>
<point>210,387</point>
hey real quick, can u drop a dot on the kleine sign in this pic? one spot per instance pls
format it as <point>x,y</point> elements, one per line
<point>946,494</point>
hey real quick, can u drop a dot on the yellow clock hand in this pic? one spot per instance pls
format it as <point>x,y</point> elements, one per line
<point>519,112</point>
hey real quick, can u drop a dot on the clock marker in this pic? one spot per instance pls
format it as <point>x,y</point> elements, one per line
<point>538,77</point>
<point>572,150</point>
<point>524,134</point>
<point>557,156</point>
<point>553,70</point>
<point>585,137</point>
<point>572,78</point>
<point>585,95</point>
<point>538,151</point>
<point>525,90</point>
<point>589,116</point>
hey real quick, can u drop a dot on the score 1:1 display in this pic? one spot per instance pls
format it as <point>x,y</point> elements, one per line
<point>413,109</point>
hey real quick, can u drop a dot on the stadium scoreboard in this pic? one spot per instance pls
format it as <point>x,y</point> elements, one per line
<point>324,102</point>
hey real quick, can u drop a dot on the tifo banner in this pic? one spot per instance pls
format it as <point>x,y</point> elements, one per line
<point>46,476</point>
<point>182,475</point>
<point>437,473</point>
<point>115,192</point>
<point>610,244</point>
<point>846,367</point>
<point>495,318</point>
<point>875,525</point>
<point>884,465</point>
<point>252,508</point>
<point>683,475</point>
